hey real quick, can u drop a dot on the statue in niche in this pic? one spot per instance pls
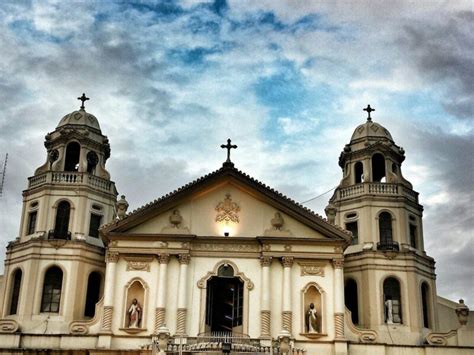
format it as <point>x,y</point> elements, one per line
<point>392,311</point>
<point>389,310</point>
<point>312,319</point>
<point>134,314</point>
<point>277,221</point>
<point>176,219</point>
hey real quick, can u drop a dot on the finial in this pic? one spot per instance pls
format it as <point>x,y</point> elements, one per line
<point>369,110</point>
<point>83,98</point>
<point>228,146</point>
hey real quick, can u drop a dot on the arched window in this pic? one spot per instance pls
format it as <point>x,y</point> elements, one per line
<point>73,151</point>
<point>378,167</point>
<point>385,229</point>
<point>52,286</point>
<point>15,293</point>
<point>61,227</point>
<point>351,299</point>
<point>93,293</point>
<point>392,301</point>
<point>425,296</point>
<point>359,172</point>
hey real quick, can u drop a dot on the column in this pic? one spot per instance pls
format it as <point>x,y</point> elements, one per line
<point>265,315</point>
<point>109,287</point>
<point>182,295</point>
<point>339,307</point>
<point>287,314</point>
<point>160,310</point>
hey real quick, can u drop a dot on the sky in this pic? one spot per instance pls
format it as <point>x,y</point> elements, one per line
<point>285,80</point>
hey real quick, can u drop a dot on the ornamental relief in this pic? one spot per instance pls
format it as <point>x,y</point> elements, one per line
<point>225,247</point>
<point>311,269</point>
<point>138,264</point>
<point>227,211</point>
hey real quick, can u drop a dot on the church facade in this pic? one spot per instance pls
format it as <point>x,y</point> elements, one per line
<point>224,264</point>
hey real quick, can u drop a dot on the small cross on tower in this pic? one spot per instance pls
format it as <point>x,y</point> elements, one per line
<point>83,98</point>
<point>228,146</point>
<point>369,110</point>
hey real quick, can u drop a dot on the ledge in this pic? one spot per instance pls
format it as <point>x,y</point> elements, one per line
<point>133,330</point>
<point>314,335</point>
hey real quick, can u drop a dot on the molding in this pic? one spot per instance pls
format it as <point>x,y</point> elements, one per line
<point>202,283</point>
<point>250,247</point>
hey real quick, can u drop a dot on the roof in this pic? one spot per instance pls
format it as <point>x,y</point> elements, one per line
<point>80,117</point>
<point>272,196</point>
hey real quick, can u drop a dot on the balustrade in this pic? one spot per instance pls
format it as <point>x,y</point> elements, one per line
<point>375,188</point>
<point>70,178</point>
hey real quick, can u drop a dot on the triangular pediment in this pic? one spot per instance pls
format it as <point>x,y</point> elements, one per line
<point>226,201</point>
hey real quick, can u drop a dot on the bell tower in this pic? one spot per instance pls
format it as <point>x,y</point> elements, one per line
<point>58,248</point>
<point>389,280</point>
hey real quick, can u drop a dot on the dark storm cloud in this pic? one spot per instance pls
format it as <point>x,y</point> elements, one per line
<point>444,54</point>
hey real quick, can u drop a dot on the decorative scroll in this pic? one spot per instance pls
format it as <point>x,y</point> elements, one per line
<point>8,326</point>
<point>365,335</point>
<point>440,338</point>
<point>81,327</point>
<point>227,211</point>
<point>311,269</point>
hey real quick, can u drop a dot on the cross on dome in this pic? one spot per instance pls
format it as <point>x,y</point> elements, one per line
<point>369,110</point>
<point>228,146</point>
<point>83,98</point>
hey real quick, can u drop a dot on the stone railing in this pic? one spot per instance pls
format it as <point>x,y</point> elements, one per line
<point>377,188</point>
<point>70,178</point>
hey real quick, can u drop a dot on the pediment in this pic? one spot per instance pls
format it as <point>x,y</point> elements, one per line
<point>226,201</point>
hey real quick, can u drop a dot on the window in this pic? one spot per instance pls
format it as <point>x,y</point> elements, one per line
<point>425,292</point>
<point>392,301</point>
<point>52,286</point>
<point>378,168</point>
<point>352,227</point>
<point>73,151</point>
<point>385,228</point>
<point>351,299</point>
<point>93,293</point>
<point>413,235</point>
<point>94,225</point>
<point>31,222</point>
<point>61,227</point>
<point>15,293</point>
<point>359,172</point>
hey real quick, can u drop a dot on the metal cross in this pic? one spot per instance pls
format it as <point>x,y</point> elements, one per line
<point>83,98</point>
<point>228,146</point>
<point>369,110</point>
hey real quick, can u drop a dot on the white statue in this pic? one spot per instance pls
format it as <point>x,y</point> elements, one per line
<point>389,310</point>
<point>134,314</point>
<point>312,319</point>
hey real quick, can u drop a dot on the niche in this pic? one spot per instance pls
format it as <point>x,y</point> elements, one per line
<point>312,316</point>
<point>135,294</point>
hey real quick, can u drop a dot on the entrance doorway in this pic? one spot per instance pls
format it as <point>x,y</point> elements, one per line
<point>224,301</point>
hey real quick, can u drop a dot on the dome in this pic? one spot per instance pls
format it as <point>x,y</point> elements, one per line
<point>80,117</point>
<point>371,129</point>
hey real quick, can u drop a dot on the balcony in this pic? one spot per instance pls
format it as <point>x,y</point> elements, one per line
<point>388,246</point>
<point>378,189</point>
<point>70,178</point>
<point>53,234</point>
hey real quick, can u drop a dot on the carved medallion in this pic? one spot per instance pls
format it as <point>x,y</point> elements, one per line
<point>311,269</point>
<point>227,211</point>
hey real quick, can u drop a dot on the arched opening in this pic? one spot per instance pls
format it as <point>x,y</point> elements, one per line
<point>92,160</point>
<point>73,151</point>
<point>93,293</point>
<point>352,300</point>
<point>425,297</point>
<point>52,287</point>
<point>15,292</point>
<point>359,172</point>
<point>61,226</point>
<point>224,301</point>
<point>378,168</point>
<point>392,301</point>
<point>385,229</point>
